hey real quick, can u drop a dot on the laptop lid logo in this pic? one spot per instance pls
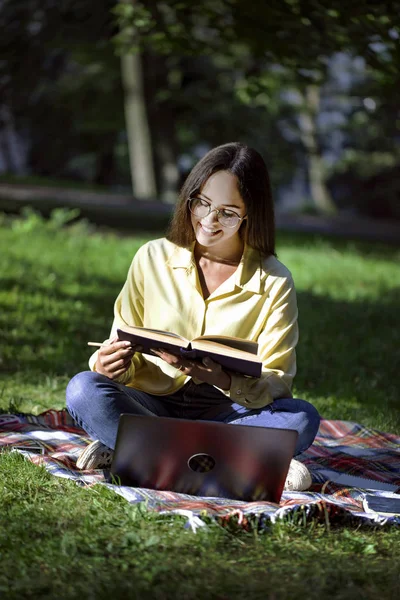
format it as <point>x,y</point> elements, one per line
<point>201,463</point>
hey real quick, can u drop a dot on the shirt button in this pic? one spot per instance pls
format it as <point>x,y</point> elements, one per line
<point>238,392</point>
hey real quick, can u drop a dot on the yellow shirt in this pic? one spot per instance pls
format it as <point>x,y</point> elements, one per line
<point>258,302</point>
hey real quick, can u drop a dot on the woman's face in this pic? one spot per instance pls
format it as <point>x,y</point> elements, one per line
<point>221,191</point>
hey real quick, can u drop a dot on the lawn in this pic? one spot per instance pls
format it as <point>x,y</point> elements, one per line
<point>60,541</point>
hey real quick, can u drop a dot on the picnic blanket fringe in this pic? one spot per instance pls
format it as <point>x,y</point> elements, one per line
<point>53,440</point>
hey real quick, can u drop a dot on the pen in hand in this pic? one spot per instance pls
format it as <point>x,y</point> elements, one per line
<point>107,343</point>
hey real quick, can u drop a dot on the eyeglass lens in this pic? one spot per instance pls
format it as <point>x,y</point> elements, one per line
<point>202,208</point>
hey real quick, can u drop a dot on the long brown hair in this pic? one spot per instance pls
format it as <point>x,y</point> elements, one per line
<point>258,231</point>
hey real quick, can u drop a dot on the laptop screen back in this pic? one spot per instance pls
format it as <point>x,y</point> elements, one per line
<point>203,458</point>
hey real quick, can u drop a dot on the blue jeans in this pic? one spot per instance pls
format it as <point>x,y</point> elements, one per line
<point>96,403</point>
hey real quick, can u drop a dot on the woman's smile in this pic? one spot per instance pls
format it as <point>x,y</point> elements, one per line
<point>208,230</point>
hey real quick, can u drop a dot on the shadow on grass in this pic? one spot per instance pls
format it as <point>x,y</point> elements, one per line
<point>348,354</point>
<point>46,329</point>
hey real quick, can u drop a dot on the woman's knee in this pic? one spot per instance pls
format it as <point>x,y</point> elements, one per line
<point>312,415</point>
<point>296,405</point>
<point>312,421</point>
<point>80,388</point>
<point>307,418</point>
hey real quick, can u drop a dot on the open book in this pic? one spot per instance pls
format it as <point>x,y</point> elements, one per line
<point>233,354</point>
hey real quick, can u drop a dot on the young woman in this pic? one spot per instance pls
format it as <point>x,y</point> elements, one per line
<point>215,273</point>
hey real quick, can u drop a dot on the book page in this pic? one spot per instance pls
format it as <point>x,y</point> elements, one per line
<point>157,335</point>
<point>206,345</point>
<point>230,342</point>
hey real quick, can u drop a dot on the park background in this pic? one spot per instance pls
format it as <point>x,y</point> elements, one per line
<point>124,97</point>
<point>104,107</point>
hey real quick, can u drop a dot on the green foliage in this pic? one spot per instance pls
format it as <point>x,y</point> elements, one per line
<point>168,27</point>
<point>367,175</point>
<point>65,93</point>
<point>267,54</point>
<point>291,33</point>
<point>365,164</point>
<point>32,221</point>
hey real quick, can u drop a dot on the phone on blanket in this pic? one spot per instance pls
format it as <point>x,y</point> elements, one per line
<point>33,447</point>
<point>386,505</point>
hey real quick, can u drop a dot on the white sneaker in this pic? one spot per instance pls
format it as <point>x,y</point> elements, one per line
<point>298,478</point>
<point>95,456</point>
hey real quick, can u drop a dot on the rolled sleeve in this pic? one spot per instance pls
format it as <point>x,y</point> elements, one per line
<point>277,343</point>
<point>128,310</point>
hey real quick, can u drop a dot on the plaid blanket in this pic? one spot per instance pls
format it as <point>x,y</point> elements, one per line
<point>52,439</point>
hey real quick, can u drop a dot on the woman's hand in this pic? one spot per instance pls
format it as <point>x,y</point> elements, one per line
<point>207,370</point>
<point>114,357</point>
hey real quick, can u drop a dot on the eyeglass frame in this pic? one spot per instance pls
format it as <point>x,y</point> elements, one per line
<point>217,210</point>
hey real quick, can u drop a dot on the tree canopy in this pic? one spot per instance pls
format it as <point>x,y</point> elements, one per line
<point>299,34</point>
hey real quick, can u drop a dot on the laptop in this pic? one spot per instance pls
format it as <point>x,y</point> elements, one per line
<point>202,458</point>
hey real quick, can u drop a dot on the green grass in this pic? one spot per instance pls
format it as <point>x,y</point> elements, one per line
<point>58,540</point>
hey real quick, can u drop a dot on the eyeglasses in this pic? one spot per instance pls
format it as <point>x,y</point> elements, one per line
<point>202,208</point>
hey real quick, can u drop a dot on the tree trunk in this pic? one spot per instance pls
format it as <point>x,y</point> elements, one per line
<point>308,134</point>
<point>162,119</point>
<point>169,174</point>
<point>8,143</point>
<point>138,131</point>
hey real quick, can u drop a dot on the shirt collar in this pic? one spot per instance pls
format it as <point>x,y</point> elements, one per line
<point>249,272</point>
<point>248,275</point>
<point>181,257</point>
